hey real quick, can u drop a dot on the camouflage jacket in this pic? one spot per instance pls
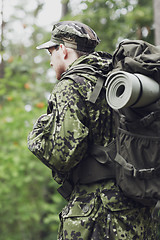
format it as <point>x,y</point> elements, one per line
<point>61,137</point>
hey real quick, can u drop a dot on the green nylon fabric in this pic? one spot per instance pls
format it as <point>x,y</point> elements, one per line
<point>137,56</point>
<point>138,132</point>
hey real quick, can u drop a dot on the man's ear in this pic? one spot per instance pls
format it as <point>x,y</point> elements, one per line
<point>64,51</point>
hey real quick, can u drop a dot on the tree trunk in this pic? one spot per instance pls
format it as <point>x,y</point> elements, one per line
<point>156,6</point>
<point>65,8</point>
<point>1,44</point>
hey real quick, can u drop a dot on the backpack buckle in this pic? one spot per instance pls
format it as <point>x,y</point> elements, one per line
<point>147,120</point>
<point>144,173</point>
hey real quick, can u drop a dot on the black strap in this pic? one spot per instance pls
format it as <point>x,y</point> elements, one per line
<point>147,120</point>
<point>90,171</point>
<point>98,165</point>
<point>65,190</point>
<point>143,122</point>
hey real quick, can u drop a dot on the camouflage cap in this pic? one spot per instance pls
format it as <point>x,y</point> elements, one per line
<point>72,34</point>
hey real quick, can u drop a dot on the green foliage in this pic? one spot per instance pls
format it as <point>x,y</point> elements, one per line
<point>115,20</point>
<point>29,202</point>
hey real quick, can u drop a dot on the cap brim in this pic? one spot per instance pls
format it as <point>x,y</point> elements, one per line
<point>46,45</point>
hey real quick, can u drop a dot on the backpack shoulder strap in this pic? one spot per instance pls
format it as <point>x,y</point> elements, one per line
<point>72,74</point>
<point>97,89</point>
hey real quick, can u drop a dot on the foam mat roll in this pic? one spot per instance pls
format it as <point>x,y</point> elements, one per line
<point>125,89</point>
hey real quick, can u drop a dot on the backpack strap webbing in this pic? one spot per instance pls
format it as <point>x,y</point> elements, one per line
<point>91,171</point>
<point>143,122</point>
<point>97,166</point>
<point>156,211</point>
<point>97,89</point>
<point>137,173</point>
<point>65,190</point>
<point>88,171</point>
<point>98,86</point>
<point>129,168</point>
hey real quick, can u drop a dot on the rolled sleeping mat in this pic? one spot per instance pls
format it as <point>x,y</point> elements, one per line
<point>125,89</point>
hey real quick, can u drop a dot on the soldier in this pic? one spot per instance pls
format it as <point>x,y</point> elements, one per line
<point>64,138</point>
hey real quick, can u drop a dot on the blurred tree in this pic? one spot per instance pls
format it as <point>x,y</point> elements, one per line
<point>141,21</point>
<point>29,202</point>
<point>115,20</point>
<point>156,6</point>
<point>1,44</point>
<point>65,8</point>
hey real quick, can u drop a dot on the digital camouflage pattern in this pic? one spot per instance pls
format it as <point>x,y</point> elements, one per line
<point>100,212</point>
<point>61,138</point>
<point>74,35</point>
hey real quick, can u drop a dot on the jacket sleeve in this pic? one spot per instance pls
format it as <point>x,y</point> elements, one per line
<point>59,138</point>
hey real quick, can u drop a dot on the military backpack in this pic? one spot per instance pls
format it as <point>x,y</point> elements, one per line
<point>133,157</point>
<point>136,146</point>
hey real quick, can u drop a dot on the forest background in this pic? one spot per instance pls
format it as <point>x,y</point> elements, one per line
<point>29,202</point>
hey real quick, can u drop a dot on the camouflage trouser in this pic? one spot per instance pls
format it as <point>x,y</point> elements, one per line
<point>87,217</point>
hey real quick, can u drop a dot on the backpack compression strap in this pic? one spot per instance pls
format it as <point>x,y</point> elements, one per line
<point>137,173</point>
<point>156,211</point>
